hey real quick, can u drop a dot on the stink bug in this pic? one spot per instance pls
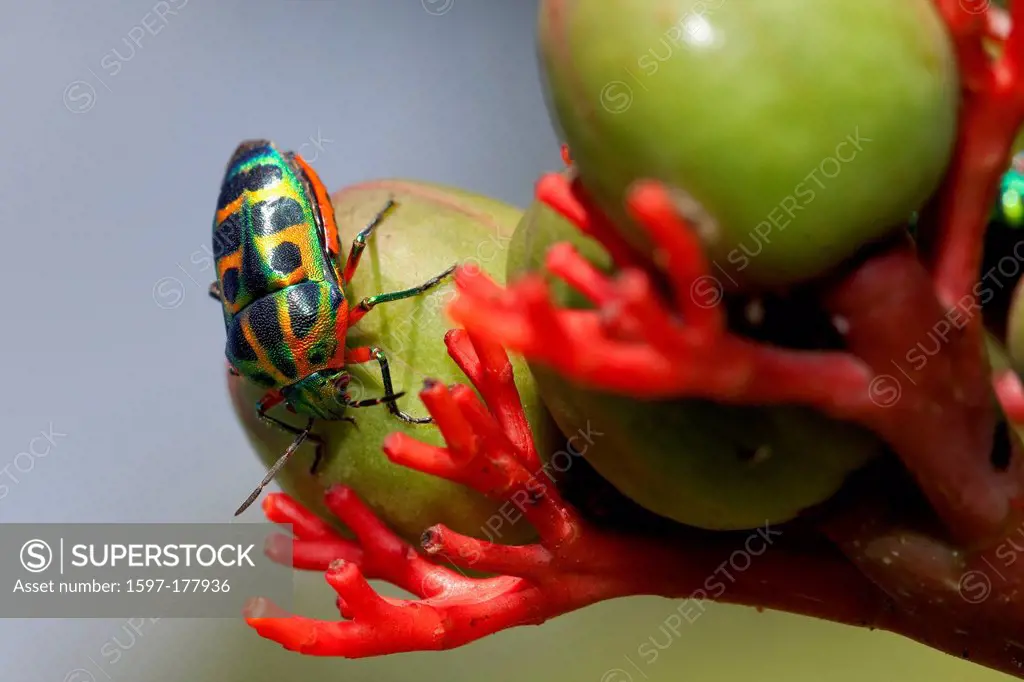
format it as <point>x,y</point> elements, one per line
<point>276,248</point>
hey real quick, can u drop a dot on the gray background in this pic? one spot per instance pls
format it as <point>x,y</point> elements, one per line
<point>107,189</point>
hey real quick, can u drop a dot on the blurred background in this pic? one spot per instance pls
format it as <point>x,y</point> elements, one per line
<point>120,117</point>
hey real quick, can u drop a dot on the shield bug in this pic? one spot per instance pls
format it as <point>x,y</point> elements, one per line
<point>281,286</point>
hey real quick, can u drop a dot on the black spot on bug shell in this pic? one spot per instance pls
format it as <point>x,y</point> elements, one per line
<point>228,236</point>
<point>229,286</point>
<point>262,316</point>
<point>238,348</point>
<point>303,309</point>
<point>286,258</point>
<point>266,328</point>
<point>273,216</point>
<point>256,178</point>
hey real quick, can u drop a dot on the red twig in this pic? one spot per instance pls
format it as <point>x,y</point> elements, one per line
<point>991,115</point>
<point>574,564</point>
<point>669,357</point>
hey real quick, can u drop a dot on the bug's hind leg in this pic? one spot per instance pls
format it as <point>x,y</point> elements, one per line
<point>368,303</point>
<point>363,354</point>
<point>359,243</point>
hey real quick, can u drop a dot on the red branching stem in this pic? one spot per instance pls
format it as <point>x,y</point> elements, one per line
<point>571,570</point>
<point>542,583</point>
<point>932,390</point>
<point>380,554</point>
<point>966,29</point>
<point>575,564</point>
<point>488,367</point>
<point>568,198</point>
<point>671,353</point>
<point>998,27</point>
<point>681,254</point>
<point>567,264</point>
<point>991,116</point>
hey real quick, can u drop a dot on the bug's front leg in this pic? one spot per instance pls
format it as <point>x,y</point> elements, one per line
<point>274,398</point>
<point>363,354</point>
<point>359,242</point>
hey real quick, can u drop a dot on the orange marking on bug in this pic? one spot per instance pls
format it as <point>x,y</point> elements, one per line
<point>225,263</point>
<point>297,346</point>
<point>261,354</point>
<point>228,261</point>
<point>310,260</point>
<point>323,199</point>
<point>231,208</point>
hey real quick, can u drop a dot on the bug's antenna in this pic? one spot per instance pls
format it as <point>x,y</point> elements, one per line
<point>281,461</point>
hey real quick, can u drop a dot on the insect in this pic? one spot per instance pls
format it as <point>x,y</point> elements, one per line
<point>1009,209</point>
<point>276,251</point>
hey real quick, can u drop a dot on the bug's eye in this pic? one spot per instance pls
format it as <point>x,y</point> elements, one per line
<point>342,381</point>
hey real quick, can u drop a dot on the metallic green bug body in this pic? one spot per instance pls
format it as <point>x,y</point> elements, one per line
<point>281,286</point>
<point>284,307</point>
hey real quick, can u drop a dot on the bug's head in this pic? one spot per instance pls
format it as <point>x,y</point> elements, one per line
<point>323,394</point>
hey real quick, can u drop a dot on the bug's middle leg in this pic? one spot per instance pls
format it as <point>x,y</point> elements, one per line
<point>363,354</point>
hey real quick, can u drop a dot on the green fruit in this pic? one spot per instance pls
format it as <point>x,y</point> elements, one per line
<point>693,461</point>
<point>432,228</point>
<point>805,129</point>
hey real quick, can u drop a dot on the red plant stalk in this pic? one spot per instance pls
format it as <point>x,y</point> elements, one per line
<point>573,565</point>
<point>936,415</point>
